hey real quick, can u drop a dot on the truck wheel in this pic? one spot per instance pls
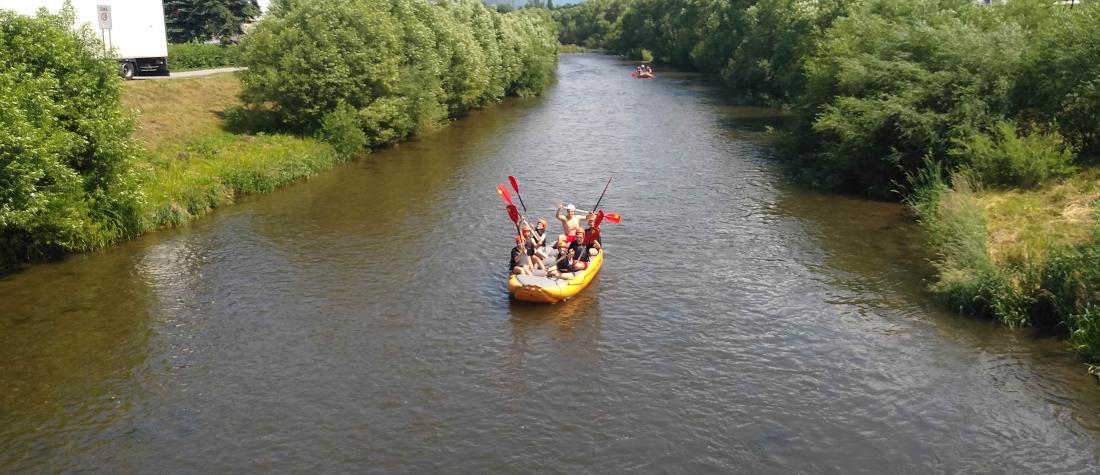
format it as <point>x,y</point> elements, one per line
<point>128,70</point>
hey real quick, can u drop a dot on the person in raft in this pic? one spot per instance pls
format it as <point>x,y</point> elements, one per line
<point>582,252</point>
<point>592,233</point>
<point>520,263</point>
<point>570,222</point>
<point>563,267</point>
<point>540,232</point>
<point>534,248</point>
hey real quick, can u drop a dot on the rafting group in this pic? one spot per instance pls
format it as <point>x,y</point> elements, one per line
<point>547,268</point>
<point>643,71</point>
<point>574,248</point>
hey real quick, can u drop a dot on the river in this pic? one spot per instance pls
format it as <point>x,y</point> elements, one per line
<point>359,321</point>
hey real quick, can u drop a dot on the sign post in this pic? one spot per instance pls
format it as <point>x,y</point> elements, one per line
<point>103,13</point>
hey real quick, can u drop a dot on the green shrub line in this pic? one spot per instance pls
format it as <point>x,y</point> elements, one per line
<point>386,69</point>
<point>328,81</point>
<point>189,56</point>
<point>929,100</point>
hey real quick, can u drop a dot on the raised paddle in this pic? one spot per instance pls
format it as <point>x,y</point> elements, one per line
<point>601,194</point>
<point>513,214</point>
<point>515,186</point>
<point>504,195</point>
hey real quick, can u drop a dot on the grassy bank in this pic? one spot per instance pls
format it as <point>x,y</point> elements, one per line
<point>1027,257</point>
<point>194,162</point>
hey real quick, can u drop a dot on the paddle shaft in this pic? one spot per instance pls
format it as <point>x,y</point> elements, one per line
<point>601,194</point>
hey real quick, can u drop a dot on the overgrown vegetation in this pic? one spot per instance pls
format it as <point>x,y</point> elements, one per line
<point>985,118</point>
<point>185,56</point>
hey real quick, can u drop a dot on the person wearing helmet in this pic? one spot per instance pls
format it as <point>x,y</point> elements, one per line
<point>563,267</point>
<point>520,263</point>
<point>540,232</point>
<point>592,233</point>
<point>534,247</point>
<point>582,251</point>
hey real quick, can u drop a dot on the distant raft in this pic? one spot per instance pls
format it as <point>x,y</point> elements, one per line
<point>642,75</point>
<point>540,288</point>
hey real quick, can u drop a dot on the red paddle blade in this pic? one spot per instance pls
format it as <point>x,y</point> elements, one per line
<point>614,217</point>
<point>515,184</point>
<point>503,192</point>
<point>513,214</point>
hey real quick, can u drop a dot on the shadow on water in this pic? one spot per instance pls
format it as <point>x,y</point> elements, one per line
<point>72,359</point>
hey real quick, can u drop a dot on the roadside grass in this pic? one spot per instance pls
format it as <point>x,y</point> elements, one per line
<point>171,112</point>
<point>194,163</point>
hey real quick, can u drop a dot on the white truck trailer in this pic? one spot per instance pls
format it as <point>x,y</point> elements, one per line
<point>133,29</point>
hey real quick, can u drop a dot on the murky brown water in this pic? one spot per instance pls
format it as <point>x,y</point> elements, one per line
<point>359,322</point>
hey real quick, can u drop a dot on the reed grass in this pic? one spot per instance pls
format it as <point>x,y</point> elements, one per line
<point>1024,257</point>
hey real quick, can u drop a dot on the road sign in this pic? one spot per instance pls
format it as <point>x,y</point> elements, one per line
<point>103,12</point>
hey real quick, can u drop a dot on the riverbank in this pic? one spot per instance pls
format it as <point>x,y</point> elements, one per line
<point>197,161</point>
<point>1026,257</point>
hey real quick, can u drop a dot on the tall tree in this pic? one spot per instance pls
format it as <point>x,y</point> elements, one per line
<point>190,20</point>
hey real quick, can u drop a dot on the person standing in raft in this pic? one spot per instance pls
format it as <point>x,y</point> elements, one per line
<point>570,222</point>
<point>592,233</point>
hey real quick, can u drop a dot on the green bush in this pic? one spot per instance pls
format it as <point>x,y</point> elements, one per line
<point>341,129</point>
<point>1003,158</point>
<point>401,65</point>
<point>65,179</point>
<point>639,54</point>
<point>185,56</point>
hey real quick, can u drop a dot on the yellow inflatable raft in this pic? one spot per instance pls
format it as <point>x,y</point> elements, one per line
<point>540,288</point>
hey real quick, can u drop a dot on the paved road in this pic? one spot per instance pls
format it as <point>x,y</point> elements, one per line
<point>195,73</point>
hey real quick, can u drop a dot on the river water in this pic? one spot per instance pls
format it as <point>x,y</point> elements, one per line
<point>359,321</point>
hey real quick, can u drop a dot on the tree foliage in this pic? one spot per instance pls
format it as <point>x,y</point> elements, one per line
<point>201,20</point>
<point>401,65</point>
<point>65,181</point>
